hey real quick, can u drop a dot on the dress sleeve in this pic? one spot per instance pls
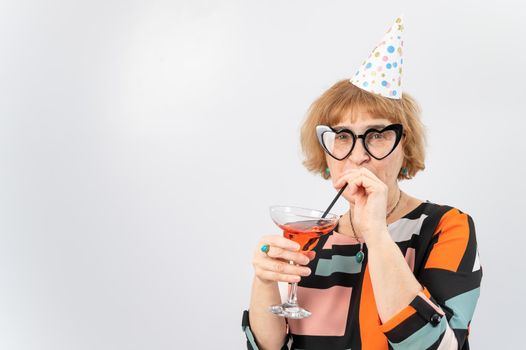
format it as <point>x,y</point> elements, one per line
<point>440,315</point>
<point>251,341</point>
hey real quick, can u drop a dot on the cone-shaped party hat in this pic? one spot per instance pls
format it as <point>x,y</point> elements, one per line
<point>381,72</point>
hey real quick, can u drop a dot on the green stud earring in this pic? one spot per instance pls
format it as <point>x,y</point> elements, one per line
<point>404,171</point>
<point>327,171</point>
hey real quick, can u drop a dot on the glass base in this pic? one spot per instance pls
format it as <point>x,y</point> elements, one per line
<point>290,311</point>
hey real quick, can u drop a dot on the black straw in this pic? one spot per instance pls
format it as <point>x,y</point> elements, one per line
<point>334,201</point>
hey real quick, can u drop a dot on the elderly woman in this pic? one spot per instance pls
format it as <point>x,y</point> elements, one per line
<point>397,272</point>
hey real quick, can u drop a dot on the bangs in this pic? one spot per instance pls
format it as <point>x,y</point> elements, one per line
<point>345,99</point>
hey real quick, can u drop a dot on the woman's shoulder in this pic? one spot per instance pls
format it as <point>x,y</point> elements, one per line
<point>443,211</point>
<point>443,219</point>
<point>418,207</point>
<point>433,218</point>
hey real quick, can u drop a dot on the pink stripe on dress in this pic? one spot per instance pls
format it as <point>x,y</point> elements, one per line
<point>329,309</point>
<point>339,239</point>
<point>436,307</point>
<point>410,258</point>
<point>449,341</point>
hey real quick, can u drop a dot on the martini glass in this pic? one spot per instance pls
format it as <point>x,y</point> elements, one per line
<point>305,227</point>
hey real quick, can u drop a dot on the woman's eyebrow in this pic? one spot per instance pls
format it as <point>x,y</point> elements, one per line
<point>373,126</point>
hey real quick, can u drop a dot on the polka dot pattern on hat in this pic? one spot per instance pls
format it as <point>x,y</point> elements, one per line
<point>385,59</point>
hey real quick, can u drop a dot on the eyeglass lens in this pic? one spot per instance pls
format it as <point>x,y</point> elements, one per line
<point>378,144</point>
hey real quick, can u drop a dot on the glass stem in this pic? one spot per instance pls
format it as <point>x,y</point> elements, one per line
<point>293,299</point>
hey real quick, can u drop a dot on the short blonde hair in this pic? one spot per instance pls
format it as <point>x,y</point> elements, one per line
<point>342,98</point>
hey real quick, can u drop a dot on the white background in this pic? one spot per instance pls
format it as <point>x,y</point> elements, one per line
<point>141,143</point>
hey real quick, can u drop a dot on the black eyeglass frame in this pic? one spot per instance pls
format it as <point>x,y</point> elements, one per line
<point>397,128</point>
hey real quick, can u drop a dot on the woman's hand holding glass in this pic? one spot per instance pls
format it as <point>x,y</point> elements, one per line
<point>274,265</point>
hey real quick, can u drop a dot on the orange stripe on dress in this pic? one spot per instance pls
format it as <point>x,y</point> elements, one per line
<point>452,241</point>
<point>407,312</point>
<point>370,333</point>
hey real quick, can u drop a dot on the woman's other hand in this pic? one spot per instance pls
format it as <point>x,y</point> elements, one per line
<point>369,196</point>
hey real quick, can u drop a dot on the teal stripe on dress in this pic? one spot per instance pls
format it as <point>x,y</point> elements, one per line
<point>463,307</point>
<point>250,338</point>
<point>338,263</point>
<point>423,338</point>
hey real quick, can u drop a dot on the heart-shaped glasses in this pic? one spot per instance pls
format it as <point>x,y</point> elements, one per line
<point>339,143</point>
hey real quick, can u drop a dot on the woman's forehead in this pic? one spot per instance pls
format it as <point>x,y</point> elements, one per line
<point>360,118</point>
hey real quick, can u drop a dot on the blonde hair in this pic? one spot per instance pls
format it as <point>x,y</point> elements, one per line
<point>342,98</point>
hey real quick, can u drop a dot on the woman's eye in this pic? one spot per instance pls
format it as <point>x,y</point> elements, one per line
<point>376,136</point>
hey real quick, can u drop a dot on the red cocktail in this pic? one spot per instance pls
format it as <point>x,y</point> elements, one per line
<point>307,233</point>
<point>304,226</point>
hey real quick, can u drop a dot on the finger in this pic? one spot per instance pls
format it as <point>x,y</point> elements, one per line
<point>283,268</point>
<point>352,180</point>
<point>371,184</point>
<point>278,277</point>
<point>363,179</point>
<point>279,241</point>
<point>354,173</point>
<point>355,183</point>
<point>368,173</point>
<point>287,255</point>
<point>343,178</point>
<point>311,255</point>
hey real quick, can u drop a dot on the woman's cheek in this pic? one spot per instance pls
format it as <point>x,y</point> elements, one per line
<point>381,174</point>
<point>335,176</point>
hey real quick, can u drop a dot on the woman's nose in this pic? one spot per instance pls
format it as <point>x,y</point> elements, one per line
<point>359,154</point>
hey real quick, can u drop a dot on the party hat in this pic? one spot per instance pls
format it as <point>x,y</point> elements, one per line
<point>381,72</point>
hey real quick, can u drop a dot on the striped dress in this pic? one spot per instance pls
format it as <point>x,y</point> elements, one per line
<point>440,247</point>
